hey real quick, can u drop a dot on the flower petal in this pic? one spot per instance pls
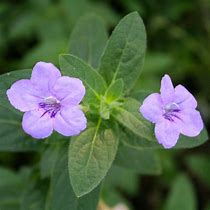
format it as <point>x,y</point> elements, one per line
<point>167,133</point>
<point>184,98</point>
<point>23,96</point>
<point>191,123</point>
<point>69,91</point>
<point>36,125</point>
<point>151,108</point>
<point>70,121</point>
<point>167,90</point>
<point>44,76</point>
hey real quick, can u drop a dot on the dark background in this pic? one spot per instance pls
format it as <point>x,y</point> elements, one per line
<point>178,33</point>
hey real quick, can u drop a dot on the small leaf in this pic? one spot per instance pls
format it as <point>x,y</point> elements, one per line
<point>144,161</point>
<point>182,195</point>
<point>90,157</point>
<point>88,39</point>
<point>104,109</point>
<point>75,67</point>
<point>115,91</point>
<point>130,117</point>
<point>124,54</point>
<point>107,102</point>
<point>62,195</point>
<point>12,136</point>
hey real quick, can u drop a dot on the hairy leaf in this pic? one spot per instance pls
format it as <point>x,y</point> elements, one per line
<point>88,39</point>
<point>75,67</point>
<point>62,195</point>
<point>115,90</point>
<point>130,117</point>
<point>144,161</point>
<point>124,54</point>
<point>90,157</point>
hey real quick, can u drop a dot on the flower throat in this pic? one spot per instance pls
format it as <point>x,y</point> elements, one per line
<point>51,106</point>
<point>171,111</point>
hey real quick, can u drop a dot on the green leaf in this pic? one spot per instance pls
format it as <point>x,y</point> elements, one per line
<point>124,53</point>
<point>23,25</point>
<point>129,139</point>
<point>34,196</point>
<point>182,195</point>
<point>115,91</point>
<point>75,67</point>
<point>156,63</point>
<point>90,157</point>
<point>200,167</point>
<point>105,11</point>
<point>133,141</point>
<point>8,178</point>
<point>11,187</point>
<point>107,102</point>
<point>47,51</point>
<point>190,142</point>
<point>144,161</point>
<point>121,178</point>
<point>62,195</point>
<point>88,39</point>
<point>47,161</point>
<point>130,117</point>
<point>104,109</point>
<point>82,7</point>
<point>12,136</point>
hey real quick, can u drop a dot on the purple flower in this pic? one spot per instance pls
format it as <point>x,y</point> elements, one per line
<point>50,101</point>
<point>173,111</point>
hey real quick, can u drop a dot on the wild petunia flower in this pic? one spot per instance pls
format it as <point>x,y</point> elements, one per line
<point>50,102</point>
<point>173,111</point>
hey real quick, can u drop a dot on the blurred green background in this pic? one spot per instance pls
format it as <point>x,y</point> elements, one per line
<point>178,33</point>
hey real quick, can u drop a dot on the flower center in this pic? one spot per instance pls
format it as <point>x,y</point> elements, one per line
<point>170,111</point>
<point>51,106</point>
